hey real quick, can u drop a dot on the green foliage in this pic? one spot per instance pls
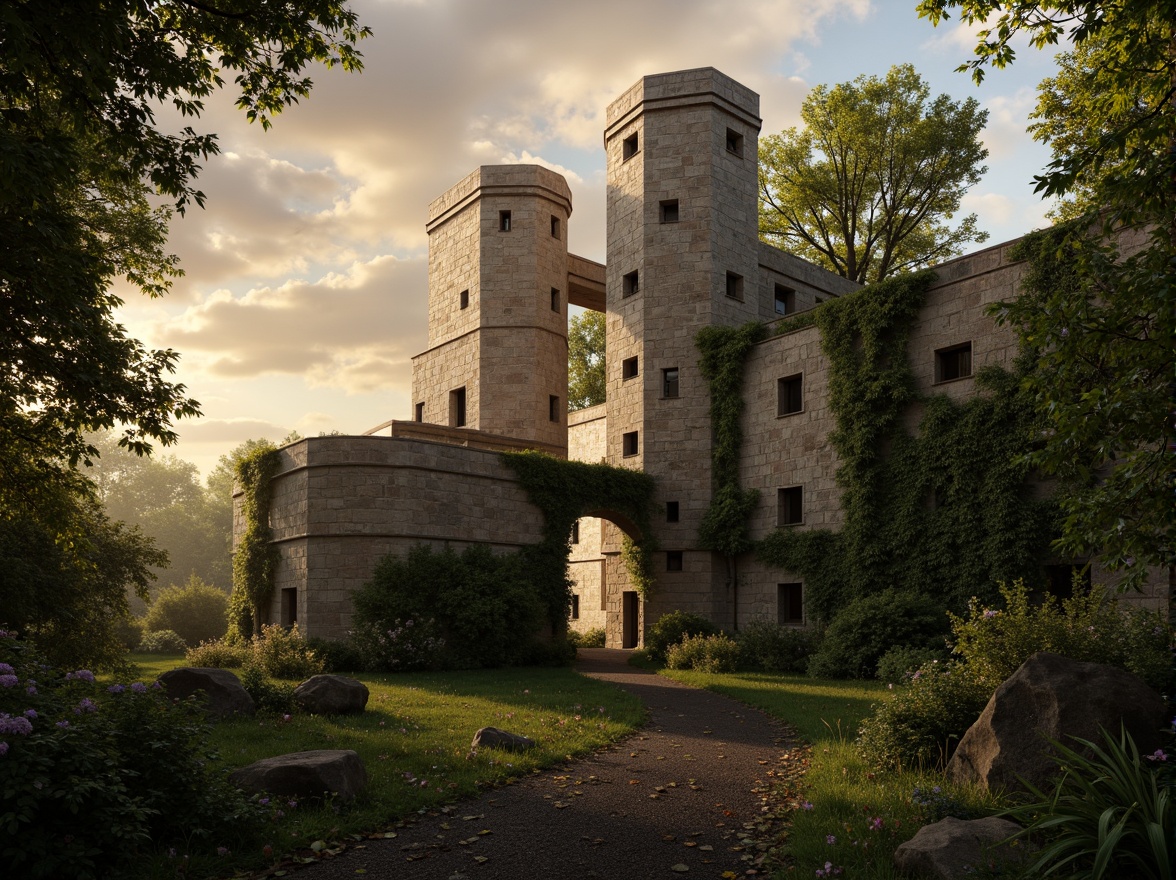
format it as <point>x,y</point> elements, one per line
<point>162,641</point>
<point>587,379</point>
<point>890,168</point>
<point>669,629</point>
<point>946,511</point>
<point>921,724</point>
<point>129,631</point>
<point>867,628</point>
<point>96,776</point>
<point>714,653</point>
<point>768,646</point>
<point>567,490</point>
<point>283,653</point>
<point>1108,816</point>
<point>723,353</point>
<point>337,656</point>
<point>900,663</point>
<point>195,611</point>
<point>1089,627</point>
<point>255,559</point>
<point>399,645</point>
<point>269,696</point>
<point>589,638</point>
<point>217,655</point>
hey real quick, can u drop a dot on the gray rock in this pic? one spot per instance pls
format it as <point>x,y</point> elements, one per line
<point>493,738</point>
<point>953,849</point>
<point>305,775</point>
<point>331,695</point>
<point>223,691</point>
<point>1059,698</point>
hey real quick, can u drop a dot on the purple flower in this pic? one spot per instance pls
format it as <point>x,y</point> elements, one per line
<point>80,675</point>
<point>1157,755</point>
<point>156,686</point>
<point>806,806</point>
<point>989,614</point>
<point>876,823</point>
<point>264,801</point>
<point>86,705</point>
<point>9,681</point>
<point>18,725</point>
<point>30,713</point>
<point>5,669</point>
<point>31,690</point>
<point>115,689</point>
<point>3,748</point>
<point>62,724</point>
<point>830,839</point>
<point>138,688</point>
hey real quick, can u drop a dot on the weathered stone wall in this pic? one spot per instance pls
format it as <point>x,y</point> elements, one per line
<point>587,441</point>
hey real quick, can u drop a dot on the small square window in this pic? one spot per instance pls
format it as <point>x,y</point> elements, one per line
<point>790,506</point>
<point>575,607</point>
<point>419,413</point>
<point>671,511</point>
<point>789,604</point>
<point>734,142</point>
<point>673,560</point>
<point>668,211</point>
<point>463,300</point>
<point>554,226</point>
<point>629,147</point>
<point>576,532</point>
<point>457,408</point>
<point>553,408</point>
<point>670,382</point>
<point>629,368</point>
<point>953,363</point>
<point>630,284</point>
<point>785,300</point>
<point>629,443</point>
<point>735,286</point>
<point>504,221</point>
<point>556,301</point>
<point>790,395</point>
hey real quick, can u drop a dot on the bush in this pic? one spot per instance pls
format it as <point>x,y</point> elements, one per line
<point>671,628</point>
<point>96,776</point>
<point>717,653</point>
<point>765,644</point>
<point>921,725</point>
<point>273,697</point>
<point>162,641</point>
<point>865,629</point>
<point>402,647</point>
<point>1088,627</point>
<point>219,655</point>
<point>196,611</point>
<point>900,663</point>
<point>337,656</point>
<point>283,653</point>
<point>130,632</point>
<point>590,638</point>
<point>486,610</point>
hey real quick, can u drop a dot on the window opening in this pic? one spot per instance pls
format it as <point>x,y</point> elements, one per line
<point>734,142</point>
<point>463,299</point>
<point>504,221</point>
<point>790,506</point>
<point>553,408</point>
<point>575,607</point>
<point>671,511</point>
<point>629,368</point>
<point>953,363</point>
<point>457,408</point>
<point>673,560</point>
<point>419,415</point>
<point>735,286</point>
<point>554,226</point>
<point>629,147</point>
<point>629,443</point>
<point>629,284</point>
<point>576,532</point>
<point>668,211</point>
<point>789,603</point>
<point>785,300</point>
<point>790,395</point>
<point>670,382</point>
<point>556,301</point>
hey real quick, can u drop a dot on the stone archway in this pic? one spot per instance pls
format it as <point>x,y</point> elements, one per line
<point>602,596</point>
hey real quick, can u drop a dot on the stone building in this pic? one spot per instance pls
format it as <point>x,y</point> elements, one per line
<point>683,253</point>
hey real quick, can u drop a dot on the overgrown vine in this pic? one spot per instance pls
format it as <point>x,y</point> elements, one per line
<point>567,490</point>
<point>255,558</point>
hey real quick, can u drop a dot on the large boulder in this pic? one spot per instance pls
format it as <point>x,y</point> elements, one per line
<point>1053,697</point>
<point>954,849</point>
<point>306,775</point>
<point>331,695</point>
<point>222,689</point>
<point>493,738</point>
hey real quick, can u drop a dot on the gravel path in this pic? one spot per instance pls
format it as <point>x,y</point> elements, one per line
<point>678,799</point>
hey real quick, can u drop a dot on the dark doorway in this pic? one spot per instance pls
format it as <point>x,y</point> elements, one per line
<point>630,609</point>
<point>289,606</point>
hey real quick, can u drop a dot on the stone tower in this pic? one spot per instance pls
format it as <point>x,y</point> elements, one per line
<point>497,359</point>
<point>682,255</point>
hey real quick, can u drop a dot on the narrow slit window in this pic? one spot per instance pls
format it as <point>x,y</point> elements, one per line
<point>556,300</point>
<point>735,286</point>
<point>504,221</point>
<point>953,363</point>
<point>630,284</point>
<point>785,300</point>
<point>629,368</point>
<point>668,211</point>
<point>671,511</point>
<point>673,560</point>
<point>734,142</point>
<point>629,147</point>
<point>419,413</point>
<point>554,226</point>
<point>790,395</point>
<point>463,300</point>
<point>790,505</point>
<point>575,607</point>
<point>576,532</point>
<point>553,408</point>
<point>789,604</point>
<point>670,382</point>
<point>629,444</point>
<point>457,408</point>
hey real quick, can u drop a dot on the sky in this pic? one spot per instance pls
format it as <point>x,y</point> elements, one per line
<point>305,293</point>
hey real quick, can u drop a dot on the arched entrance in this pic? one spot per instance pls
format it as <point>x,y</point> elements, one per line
<point>603,596</point>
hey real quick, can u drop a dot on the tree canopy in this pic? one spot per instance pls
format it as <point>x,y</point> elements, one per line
<point>587,380</point>
<point>867,185</point>
<point>1098,309</point>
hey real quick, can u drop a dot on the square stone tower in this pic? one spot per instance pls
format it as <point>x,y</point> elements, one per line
<point>682,255</point>
<point>497,359</point>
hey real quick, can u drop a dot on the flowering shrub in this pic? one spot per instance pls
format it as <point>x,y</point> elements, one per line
<point>219,655</point>
<point>765,644</point>
<point>899,664</point>
<point>163,641</point>
<point>95,775</point>
<point>1088,627</point>
<point>717,653</point>
<point>283,653</point>
<point>401,647</point>
<point>671,628</point>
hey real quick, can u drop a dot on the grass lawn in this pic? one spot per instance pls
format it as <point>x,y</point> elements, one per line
<point>853,815</point>
<point>414,740</point>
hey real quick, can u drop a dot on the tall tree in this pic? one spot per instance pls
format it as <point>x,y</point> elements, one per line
<point>867,186</point>
<point>1101,321</point>
<point>586,376</point>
